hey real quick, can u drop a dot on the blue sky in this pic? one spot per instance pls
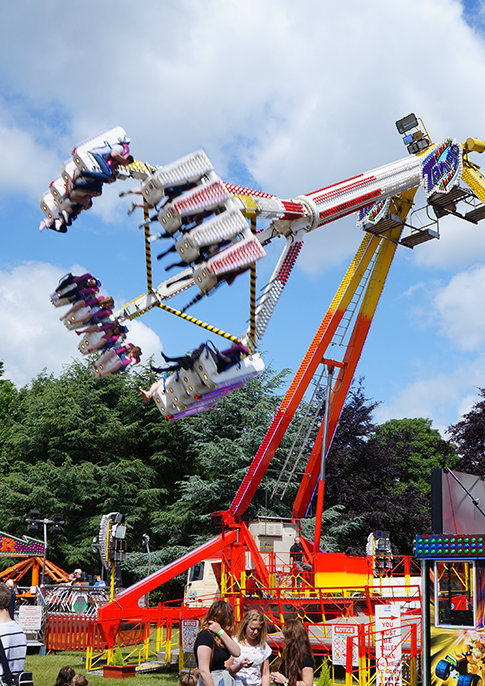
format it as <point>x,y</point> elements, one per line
<point>284,97</point>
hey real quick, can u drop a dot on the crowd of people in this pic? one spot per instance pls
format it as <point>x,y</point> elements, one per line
<point>230,656</point>
<point>80,577</point>
<point>84,185</point>
<point>91,316</point>
<point>225,654</point>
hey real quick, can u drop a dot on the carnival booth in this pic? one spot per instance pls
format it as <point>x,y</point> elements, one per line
<point>453,582</point>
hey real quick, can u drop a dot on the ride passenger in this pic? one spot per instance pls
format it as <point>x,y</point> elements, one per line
<point>251,668</point>
<point>95,305</point>
<point>101,314</point>
<point>214,645</point>
<point>223,358</point>
<point>109,158</point>
<point>297,664</point>
<point>117,360</point>
<point>76,287</point>
<point>128,354</point>
<point>111,335</point>
<point>230,356</point>
<point>148,395</point>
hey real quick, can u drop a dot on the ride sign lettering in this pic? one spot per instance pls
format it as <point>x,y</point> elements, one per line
<point>442,168</point>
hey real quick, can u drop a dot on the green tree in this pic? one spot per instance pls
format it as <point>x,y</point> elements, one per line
<point>381,473</point>
<point>469,436</point>
<point>222,444</point>
<point>8,396</point>
<point>82,447</point>
<point>418,449</point>
<point>337,528</point>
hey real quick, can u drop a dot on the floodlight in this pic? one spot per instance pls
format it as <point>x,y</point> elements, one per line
<point>119,531</point>
<point>418,146</point>
<point>406,123</point>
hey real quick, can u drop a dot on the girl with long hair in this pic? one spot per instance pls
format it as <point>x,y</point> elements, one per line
<point>251,668</point>
<point>214,645</point>
<point>296,668</point>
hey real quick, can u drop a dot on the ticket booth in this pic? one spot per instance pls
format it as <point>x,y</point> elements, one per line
<point>453,582</point>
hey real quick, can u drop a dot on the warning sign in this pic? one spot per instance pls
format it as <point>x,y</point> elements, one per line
<point>388,645</point>
<point>30,617</point>
<point>188,634</point>
<point>340,634</point>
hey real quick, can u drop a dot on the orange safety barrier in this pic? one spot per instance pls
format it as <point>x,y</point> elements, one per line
<point>64,632</point>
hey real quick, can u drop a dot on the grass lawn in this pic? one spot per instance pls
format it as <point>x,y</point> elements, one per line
<point>46,667</point>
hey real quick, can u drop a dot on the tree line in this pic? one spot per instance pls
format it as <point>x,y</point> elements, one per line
<point>83,447</point>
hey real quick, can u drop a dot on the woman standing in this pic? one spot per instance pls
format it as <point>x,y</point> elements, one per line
<point>297,663</point>
<point>251,668</point>
<point>214,645</point>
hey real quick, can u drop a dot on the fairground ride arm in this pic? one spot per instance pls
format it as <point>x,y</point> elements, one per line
<point>367,273</point>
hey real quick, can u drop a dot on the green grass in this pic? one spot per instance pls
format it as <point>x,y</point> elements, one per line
<point>46,667</point>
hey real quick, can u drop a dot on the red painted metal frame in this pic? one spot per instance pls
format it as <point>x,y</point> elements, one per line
<point>125,605</point>
<point>375,254</point>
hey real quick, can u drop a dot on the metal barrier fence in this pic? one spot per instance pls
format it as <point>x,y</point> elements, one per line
<point>67,632</point>
<point>77,599</point>
<point>70,616</point>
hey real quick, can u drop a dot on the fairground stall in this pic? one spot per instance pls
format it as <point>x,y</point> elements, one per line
<point>453,582</point>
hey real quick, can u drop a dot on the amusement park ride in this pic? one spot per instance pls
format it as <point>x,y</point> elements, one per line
<point>213,228</point>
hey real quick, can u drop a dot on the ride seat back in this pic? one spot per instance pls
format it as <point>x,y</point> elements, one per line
<point>187,250</point>
<point>59,302</point>
<point>111,136</point>
<point>164,403</point>
<point>86,162</point>
<point>49,206</point>
<point>240,371</point>
<point>152,190</point>
<point>204,278</point>
<point>106,364</point>
<point>58,189</point>
<point>89,340</point>
<point>192,382</point>
<point>206,368</point>
<point>176,392</point>
<point>77,318</point>
<point>68,169</point>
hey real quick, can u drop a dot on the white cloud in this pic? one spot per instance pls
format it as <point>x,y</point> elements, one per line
<point>443,397</point>
<point>459,306</point>
<point>293,90</point>
<point>146,338</point>
<point>287,96</point>
<point>460,244</point>
<point>26,164</point>
<point>33,336</point>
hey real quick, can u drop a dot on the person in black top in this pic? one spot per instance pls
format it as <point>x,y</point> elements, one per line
<point>296,668</point>
<point>296,556</point>
<point>214,644</point>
